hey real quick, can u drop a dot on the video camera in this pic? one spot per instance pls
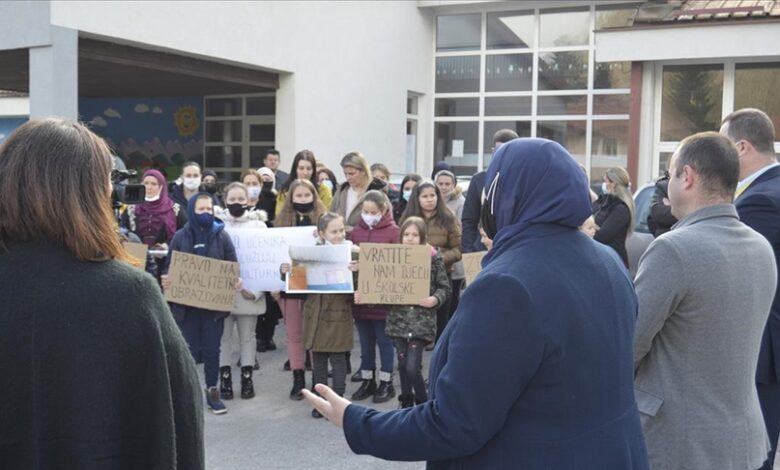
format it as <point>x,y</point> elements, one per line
<point>124,193</point>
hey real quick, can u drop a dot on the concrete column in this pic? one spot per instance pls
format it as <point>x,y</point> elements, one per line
<point>285,120</point>
<point>54,81</point>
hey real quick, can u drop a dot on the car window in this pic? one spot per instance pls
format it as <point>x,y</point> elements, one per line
<point>642,203</point>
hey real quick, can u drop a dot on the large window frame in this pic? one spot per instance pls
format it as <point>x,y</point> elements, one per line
<point>245,143</point>
<point>729,67</point>
<point>534,118</point>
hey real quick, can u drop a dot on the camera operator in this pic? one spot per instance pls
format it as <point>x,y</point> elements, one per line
<point>155,219</point>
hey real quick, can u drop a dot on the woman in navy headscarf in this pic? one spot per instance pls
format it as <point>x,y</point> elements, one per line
<point>542,376</point>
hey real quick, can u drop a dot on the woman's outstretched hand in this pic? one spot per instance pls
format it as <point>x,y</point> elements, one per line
<point>331,406</point>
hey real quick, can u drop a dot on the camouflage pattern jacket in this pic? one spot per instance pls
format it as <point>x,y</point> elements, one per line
<point>413,321</point>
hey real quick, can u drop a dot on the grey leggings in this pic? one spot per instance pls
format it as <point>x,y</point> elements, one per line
<point>410,367</point>
<point>319,374</point>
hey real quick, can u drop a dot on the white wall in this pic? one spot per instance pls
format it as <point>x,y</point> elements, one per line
<point>351,63</point>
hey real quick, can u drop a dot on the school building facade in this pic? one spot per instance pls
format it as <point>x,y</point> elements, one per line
<point>408,83</point>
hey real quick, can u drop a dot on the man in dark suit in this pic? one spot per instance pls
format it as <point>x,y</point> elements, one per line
<point>472,207</point>
<point>758,205</point>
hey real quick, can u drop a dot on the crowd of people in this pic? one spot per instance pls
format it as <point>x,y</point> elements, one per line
<point>554,357</point>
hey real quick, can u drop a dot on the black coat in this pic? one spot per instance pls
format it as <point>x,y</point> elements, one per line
<point>96,373</point>
<point>471,240</point>
<point>660,219</point>
<point>614,219</point>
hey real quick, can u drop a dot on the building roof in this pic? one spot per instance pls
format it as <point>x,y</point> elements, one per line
<point>688,11</point>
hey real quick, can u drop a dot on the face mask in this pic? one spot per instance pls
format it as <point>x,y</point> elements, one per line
<point>253,192</point>
<point>192,183</point>
<point>407,194</point>
<point>204,220</point>
<point>210,188</point>
<point>327,183</point>
<point>152,199</point>
<point>303,208</point>
<point>268,185</point>
<point>604,189</point>
<point>236,209</point>
<point>369,219</point>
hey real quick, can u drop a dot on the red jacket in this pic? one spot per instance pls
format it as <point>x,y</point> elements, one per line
<point>386,231</point>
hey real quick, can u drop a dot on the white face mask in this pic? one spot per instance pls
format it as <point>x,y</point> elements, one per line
<point>192,183</point>
<point>152,198</point>
<point>327,183</point>
<point>369,219</point>
<point>604,189</point>
<point>253,192</point>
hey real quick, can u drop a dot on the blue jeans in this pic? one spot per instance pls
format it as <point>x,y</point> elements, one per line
<point>203,332</point>
<point>371,333</point>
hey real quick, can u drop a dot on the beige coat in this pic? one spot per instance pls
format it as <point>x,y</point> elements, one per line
<point>447,241</point>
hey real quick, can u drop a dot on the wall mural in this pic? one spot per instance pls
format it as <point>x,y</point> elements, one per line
<point>7,125</point>
<point>161,132</point>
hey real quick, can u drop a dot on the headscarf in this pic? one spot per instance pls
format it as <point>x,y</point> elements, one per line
<point>162,207</point>
<point>533,181</point>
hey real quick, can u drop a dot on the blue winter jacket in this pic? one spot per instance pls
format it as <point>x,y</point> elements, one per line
<point>219,246</point>
<point>535,369</point>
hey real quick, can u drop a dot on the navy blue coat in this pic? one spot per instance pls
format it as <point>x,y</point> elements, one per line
<point>759,208</point>
<point>471,240</point>
<point>542,377</point>
<point>219,247</point>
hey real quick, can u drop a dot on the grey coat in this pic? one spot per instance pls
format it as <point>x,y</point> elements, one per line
<point>704,290</point>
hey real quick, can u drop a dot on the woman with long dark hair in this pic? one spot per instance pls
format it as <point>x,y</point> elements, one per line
<point>304,168</point>
<point>444,233</point>
<point>100,372</point>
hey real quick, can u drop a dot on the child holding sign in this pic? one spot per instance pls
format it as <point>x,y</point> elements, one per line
<point>202,235</point>
<point>328,318</point>
<point>302,207</point>
<point>414,326</point>
<point>239,213</point>
<point>376,225</point>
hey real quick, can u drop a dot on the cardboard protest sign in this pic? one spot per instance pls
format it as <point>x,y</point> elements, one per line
<point>472,264</point>
<point>197,281</point>
<point>137,251</point>
<point>321,269</point>
<point>261,251</point>
<point>394,274</point>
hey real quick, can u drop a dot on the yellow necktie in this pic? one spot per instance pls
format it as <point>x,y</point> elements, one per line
<point>741,189</point>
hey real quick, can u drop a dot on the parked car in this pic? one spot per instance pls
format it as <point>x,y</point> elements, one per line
<point>639,239</point>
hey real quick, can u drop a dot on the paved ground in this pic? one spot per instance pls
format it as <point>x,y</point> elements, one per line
<point>272,432</point>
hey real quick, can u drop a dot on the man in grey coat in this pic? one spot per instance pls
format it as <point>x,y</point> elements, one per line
<point>705,290</point>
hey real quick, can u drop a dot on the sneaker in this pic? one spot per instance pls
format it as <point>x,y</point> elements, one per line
<point>214,403</point>
<point>286,366</point>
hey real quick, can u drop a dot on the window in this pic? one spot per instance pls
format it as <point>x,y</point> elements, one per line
<point>458,32</point>
<point>532,71</point>
<point>238,132</point>
<point>755,86</point>
<point>692,100</point>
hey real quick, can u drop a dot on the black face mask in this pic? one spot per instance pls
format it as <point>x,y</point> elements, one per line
<point>303,208</point>
<point>268,185</point>
<point>488,220</point>
<point>236,209</point>
<point>210,188</point>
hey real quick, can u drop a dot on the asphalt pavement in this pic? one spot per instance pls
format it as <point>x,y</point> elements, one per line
<point>271,431</point>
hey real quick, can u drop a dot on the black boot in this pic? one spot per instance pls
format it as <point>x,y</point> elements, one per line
<point>384,393</point>
<point>225,383</point>
<point>356,377</point>
<point>349,362</point>
<point>270,345</point>
<point>299,383</point>
<point>405,401</point>
<point>367,388</point>
<point>286,366</point>
<point>307,362</point>
<point>247,387</point>
<point>269,336</point>
<point>262,346</point>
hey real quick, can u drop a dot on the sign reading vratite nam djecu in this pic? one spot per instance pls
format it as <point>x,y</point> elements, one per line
<point>197,281</point>
<point>394,274</point>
